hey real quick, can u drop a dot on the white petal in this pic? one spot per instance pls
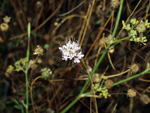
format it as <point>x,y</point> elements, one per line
<point>76,60</point>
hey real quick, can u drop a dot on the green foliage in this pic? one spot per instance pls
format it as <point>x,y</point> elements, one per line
<point>17,105</point>
<point>147,23</point>
<point>15,43</point>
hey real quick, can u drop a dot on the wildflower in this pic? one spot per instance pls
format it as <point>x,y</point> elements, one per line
<point>71,50</point>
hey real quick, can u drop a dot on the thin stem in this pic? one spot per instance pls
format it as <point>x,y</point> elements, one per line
<point>27,95</point>
<point>132,77</point>
<point>26,71</point>
<point>111,76</point>
<point>88,20</point>
<point>64,14</point>
<point>98,63</point>
<point>120,40</point>
<point>85,94</point>
<point>31,91</point>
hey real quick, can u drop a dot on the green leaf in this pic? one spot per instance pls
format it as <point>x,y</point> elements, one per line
<point>15,100</point>
<point>17,106</point>
<point>46,46</point>
<point>99,21</point>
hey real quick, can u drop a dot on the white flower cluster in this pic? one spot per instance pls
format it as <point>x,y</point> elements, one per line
<point>71,50</point>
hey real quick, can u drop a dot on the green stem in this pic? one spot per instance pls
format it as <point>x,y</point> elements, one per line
<point>120,40</point>
<point>98,63</point>
<point>132,77</point>
<point>85,94</point>
<point>27,94</point>
<point>26,71</point>
<point>74,101</point>
<point>22,111</point>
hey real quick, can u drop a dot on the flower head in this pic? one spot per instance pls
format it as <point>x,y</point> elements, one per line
<point>46,72</point>
<point>71,50</point>
<point>6,19</point>
<point>38,51</point>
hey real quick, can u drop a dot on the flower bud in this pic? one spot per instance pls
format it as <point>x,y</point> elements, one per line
<point>134,68</point>
<point>111,50</point>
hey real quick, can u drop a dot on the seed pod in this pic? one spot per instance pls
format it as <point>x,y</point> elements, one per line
<point>111,50</point>
<point>32,64</point>
<point>96,78</point>
<point>131,93</point>
<point>4,27</point>
<point>141,27</point>
<point>114,3</point>
<point>109,83</point>
<point>145,99</point>
<point>134,68</point>
<point>39,4</point>
<point>38,51</point>
<point>39,60</point>
<point>105,41</point>
<point>51,62</point>
<point>89,69</point>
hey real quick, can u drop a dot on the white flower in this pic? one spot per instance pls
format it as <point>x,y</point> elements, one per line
<point>71,50</point>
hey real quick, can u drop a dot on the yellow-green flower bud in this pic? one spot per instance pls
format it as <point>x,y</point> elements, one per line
<point>134,21</point>
<point>10,69</point>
